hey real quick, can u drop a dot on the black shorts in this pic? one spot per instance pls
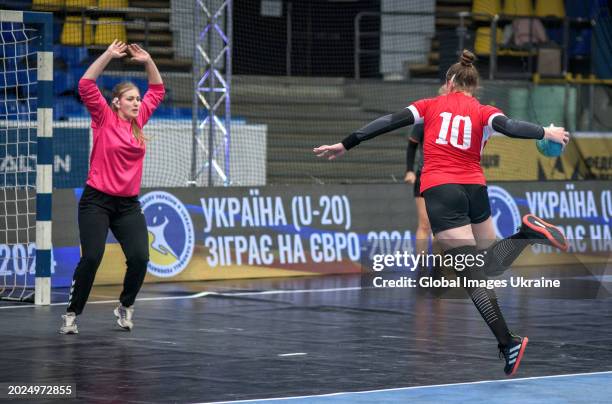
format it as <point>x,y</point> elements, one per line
<point>417,185</point>
<point>94,201</point>
<point>454,205</point>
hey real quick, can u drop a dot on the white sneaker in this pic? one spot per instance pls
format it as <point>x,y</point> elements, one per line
<point>124,317</point>
<point>69,325</point>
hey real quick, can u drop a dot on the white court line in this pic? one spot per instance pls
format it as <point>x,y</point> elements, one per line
<point>141,299</point>
<point>195,296</point>
<point>281,292</point>
<point>411,388</point>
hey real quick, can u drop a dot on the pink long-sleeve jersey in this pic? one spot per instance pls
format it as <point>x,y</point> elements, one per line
<point>115,165</point>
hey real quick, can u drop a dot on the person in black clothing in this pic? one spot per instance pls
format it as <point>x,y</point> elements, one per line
<point>414,166</point>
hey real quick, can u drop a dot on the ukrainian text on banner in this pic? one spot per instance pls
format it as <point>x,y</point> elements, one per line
<point>223,233</point>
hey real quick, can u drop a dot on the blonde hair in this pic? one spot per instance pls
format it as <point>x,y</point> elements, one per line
<point>463,75</point>
<point>118,91</point>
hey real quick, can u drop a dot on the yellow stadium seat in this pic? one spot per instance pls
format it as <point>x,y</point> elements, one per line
<point>81,3</point>
<point>113,4</point>
<point>109,29</point>
<point>72,32</point>
<point>550,8</point>
<point>482,45</point>
<point>489,7</point>
<point>518,7</point>
<point>48,5</point>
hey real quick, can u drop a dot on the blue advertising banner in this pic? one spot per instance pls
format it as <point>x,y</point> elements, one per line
<point>223,233</point>
<point>220,233</point>
<point>70,157</point>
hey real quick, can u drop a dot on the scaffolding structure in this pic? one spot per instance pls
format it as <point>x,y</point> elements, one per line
<point>212,72</point>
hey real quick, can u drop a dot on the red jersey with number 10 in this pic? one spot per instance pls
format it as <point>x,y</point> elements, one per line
<point>457,128</point>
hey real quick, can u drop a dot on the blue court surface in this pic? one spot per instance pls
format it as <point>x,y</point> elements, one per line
<point>572,388</point>
<point>315,339</point>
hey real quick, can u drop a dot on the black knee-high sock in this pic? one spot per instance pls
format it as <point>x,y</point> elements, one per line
<point>503,253</point>
<point>484,299</point>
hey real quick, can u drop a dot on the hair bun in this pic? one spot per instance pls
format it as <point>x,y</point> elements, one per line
<point>467,58</point>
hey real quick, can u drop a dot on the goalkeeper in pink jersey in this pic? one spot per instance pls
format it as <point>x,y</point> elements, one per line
<point>110,198</point>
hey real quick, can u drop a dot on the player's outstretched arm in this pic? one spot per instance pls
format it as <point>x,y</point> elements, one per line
<point>141,56</point>
<point>379,126</point>
<point>375,128</point>
<point>526,130</point>
<point>115,50</point>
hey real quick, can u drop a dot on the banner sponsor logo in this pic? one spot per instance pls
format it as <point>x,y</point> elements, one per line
<point>170,231</point>
<point>504,211</point>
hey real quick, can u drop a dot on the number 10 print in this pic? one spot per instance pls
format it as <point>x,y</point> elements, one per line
<point>454,132</point>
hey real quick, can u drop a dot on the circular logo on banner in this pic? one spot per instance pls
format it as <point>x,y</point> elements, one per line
<point>504,211</point>
<point>171,236</point>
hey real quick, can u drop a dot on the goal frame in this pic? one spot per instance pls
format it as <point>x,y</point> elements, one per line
<point>43,22</point>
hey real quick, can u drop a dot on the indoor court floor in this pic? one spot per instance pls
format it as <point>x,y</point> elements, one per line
<point>315,339</point>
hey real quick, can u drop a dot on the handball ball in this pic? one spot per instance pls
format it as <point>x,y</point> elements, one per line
<point>549,148</point>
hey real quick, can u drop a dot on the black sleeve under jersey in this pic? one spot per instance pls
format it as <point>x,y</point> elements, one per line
<point>418,133</point>
<point>379,126</point>
<point>517,129</point>
<point>411,154</point>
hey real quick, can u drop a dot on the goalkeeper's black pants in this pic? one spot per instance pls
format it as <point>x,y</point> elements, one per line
<point>99,212</point>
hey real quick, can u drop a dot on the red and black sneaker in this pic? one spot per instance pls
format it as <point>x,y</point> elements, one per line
<point>513,353</point>
<point>535,228</point>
